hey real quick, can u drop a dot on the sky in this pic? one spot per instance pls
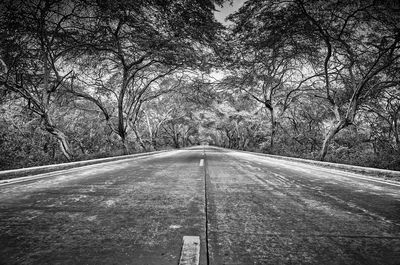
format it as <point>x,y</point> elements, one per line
<point>220,16</point>
<point>227,10</point>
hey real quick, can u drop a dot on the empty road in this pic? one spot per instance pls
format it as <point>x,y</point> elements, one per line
<point>246,209</point>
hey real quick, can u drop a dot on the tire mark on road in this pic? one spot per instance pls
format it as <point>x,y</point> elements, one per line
<point>286,187</point>
<point>319,191</point>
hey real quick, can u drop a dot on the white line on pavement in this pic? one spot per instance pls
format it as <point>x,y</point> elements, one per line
<point>190,254</point>
<point>306,167</point>
<point>61,172</point>
<point>362,177</point>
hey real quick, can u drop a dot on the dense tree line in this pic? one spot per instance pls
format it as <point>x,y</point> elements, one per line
<point>308,78</point>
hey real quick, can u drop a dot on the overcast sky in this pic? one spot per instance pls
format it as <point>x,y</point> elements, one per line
<point>227,10</point>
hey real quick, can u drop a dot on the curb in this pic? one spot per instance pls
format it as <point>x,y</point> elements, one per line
<point>30,171</point>
<point>382,173</point>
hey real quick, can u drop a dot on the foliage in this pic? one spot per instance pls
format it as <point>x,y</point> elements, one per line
<point>306,78</point>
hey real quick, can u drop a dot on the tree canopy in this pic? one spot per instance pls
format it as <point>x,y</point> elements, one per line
<point>307,78</point>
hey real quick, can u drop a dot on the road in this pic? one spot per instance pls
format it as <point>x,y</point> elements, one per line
<point>246,209</point>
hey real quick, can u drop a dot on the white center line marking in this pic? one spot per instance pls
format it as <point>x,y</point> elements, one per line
<point>190,254</point>
<point>201,163</point>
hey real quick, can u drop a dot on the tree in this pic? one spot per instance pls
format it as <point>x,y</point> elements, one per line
<point>349,46</point>
<point>386,112</point>
<point>156,112</point>
<point>32,50</point>
<point>130,48</point>
<point>355,61</point>
<point>267,63</point>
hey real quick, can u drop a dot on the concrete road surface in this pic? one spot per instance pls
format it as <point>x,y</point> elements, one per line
<point>246,209</point>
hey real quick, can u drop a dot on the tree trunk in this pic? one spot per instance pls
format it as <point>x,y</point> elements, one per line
<point>53,151</point>
<point>273,132</point>
<point>60,136</point>
<point>330,135</point>
<point>154,144</point>
<point>396,132</point>
<point>175,137</point>
<point>125,148</point>
<point>273,129</point>
<point>82,148</point>
<point>152,134</point>
<point>121,122</point>
<point>176,142</point>
<point>229,139</point>
<point>245,144</point>
<point>140,141</point>
<point>374,146</point>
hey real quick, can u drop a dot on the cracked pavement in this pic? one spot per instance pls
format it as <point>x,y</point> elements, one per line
<point>247,209</point>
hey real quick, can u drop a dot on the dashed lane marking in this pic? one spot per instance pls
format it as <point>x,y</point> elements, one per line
<point>190,254</point>
<point>201,163</point>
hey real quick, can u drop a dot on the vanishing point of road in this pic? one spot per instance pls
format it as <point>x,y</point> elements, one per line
<point>245,208</point>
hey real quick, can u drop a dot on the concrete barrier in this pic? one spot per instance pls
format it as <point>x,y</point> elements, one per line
<point>30,171</point>
<point>382,173</point>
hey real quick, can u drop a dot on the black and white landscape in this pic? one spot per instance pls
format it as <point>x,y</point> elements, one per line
<point>199,132</point>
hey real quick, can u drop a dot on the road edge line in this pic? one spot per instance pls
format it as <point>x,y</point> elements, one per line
<point>60,172</point>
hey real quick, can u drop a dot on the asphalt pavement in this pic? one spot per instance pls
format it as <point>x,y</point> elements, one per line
<point>246,209</point>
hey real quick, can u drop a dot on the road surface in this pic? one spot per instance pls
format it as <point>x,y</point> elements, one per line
<point>246,209</point>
